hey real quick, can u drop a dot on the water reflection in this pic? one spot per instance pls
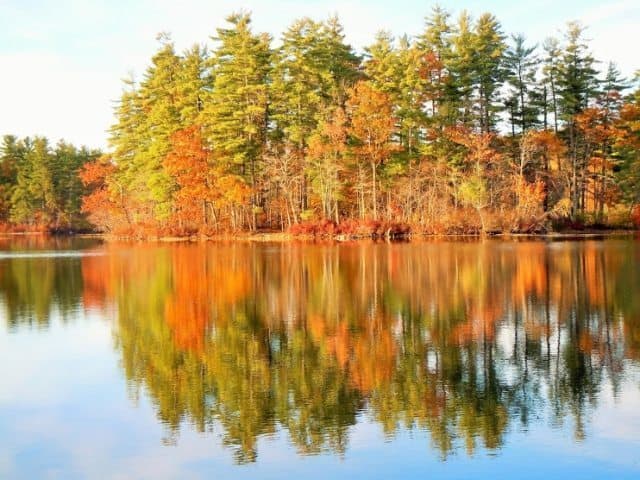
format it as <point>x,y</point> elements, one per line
<point>463,340</point>
<point>36,280</point>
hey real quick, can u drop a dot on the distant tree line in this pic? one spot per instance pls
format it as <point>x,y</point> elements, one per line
<point>458,129</point>
<point>40,187</point>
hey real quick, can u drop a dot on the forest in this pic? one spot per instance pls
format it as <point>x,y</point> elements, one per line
<point>40,185</point>
<point>461,128</point>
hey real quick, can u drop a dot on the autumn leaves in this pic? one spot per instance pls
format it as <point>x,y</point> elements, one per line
<point>457,130</point>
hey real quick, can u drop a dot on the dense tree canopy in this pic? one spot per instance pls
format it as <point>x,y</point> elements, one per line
<point>460,128</point>
<point>40,186</point>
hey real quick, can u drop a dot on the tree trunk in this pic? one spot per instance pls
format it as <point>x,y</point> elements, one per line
<point>373,191</point>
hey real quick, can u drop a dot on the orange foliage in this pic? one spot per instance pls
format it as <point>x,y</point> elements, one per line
<point>374,359</point>
<point>95,281</point>
<point>480,324</point>
<point>372,122</point>
<point>105,206</point>
<point>629,125</point>
<point>479,145</point>
<point>188,308</point>
<point>188,163</point>
<point>205,187</point>
<point>529,277</point>
<point>200,289</point>
<point>529,199</point>
<point>635,216</point>
<point>545,146</point>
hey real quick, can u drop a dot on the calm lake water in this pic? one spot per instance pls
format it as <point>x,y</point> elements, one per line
<point>442,359</point>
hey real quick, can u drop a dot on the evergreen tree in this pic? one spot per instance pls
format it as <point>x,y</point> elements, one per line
<point>436,48</point>
<point>521,65</point>
<point>577,85</point>
<point>461,67</point>
<point>159,101</point>
<point>342,63</point>
<point>124,134</point>
<point>414,82</point>
<point>65,166</point>
<point>236,111</point>
<point>194,85</point>
<point>299,90</point>
<point>489,47</point>
<point>34,200</point>
<point>577,77</point>
<point>148,114</point>
<point>11,157</point>
<point>313,69</point>
<point>381,64</point>
<point>550,71</point>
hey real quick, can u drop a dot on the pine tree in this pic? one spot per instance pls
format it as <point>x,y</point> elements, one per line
<point>236,111</point>
<point>550,71</point>
<point>299,91</point>
<point>194,85</point>
<point>462,74</point>
<point>159,100</point>
<point>577,85</point>
<point>521,65</point>
<point>124,134</point>
<point>489,47</point>
<point>33,199</point>
<point>11,157</point>
<point>401,74</point>
<point>314,68</point>
<point>436,48</point>
<point>381,64</point>
<point>65,167</point>
<point>414,81</point>
<point>577,77</point>
<point>341,61</point>
<point>147,115</point>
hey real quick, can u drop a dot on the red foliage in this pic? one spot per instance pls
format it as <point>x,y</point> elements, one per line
<point>188,163</point>
<point>103,206</point>
<point>635,216</point>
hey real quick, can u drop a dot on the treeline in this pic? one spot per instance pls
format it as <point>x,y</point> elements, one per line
<point>40,187</point>
<point>459,129</point>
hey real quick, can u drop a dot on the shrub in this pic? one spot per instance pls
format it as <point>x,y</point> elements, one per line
<point>635,216</point>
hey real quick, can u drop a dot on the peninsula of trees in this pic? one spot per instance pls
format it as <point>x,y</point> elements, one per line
<point>459,129</point>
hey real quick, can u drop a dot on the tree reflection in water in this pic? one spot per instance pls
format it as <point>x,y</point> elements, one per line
<point>462,340</point>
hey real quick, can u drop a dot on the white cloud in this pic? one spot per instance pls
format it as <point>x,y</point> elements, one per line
<point>62,62</point>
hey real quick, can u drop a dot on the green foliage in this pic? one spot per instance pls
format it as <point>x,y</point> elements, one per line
<point>39,185</point>
<point>270,149</point>
<point>473,192</point>
<point>577,82</point>
<point>522,100</point>
<point>236,110</point>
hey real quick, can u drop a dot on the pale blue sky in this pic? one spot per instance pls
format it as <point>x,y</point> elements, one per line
<point>61,61</point>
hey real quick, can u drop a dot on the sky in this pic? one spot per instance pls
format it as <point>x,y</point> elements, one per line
<point>62,61</point>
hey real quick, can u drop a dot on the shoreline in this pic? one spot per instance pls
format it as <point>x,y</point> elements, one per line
<point>285,237</point>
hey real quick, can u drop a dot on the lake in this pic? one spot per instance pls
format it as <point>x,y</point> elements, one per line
<point>442,359</point>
